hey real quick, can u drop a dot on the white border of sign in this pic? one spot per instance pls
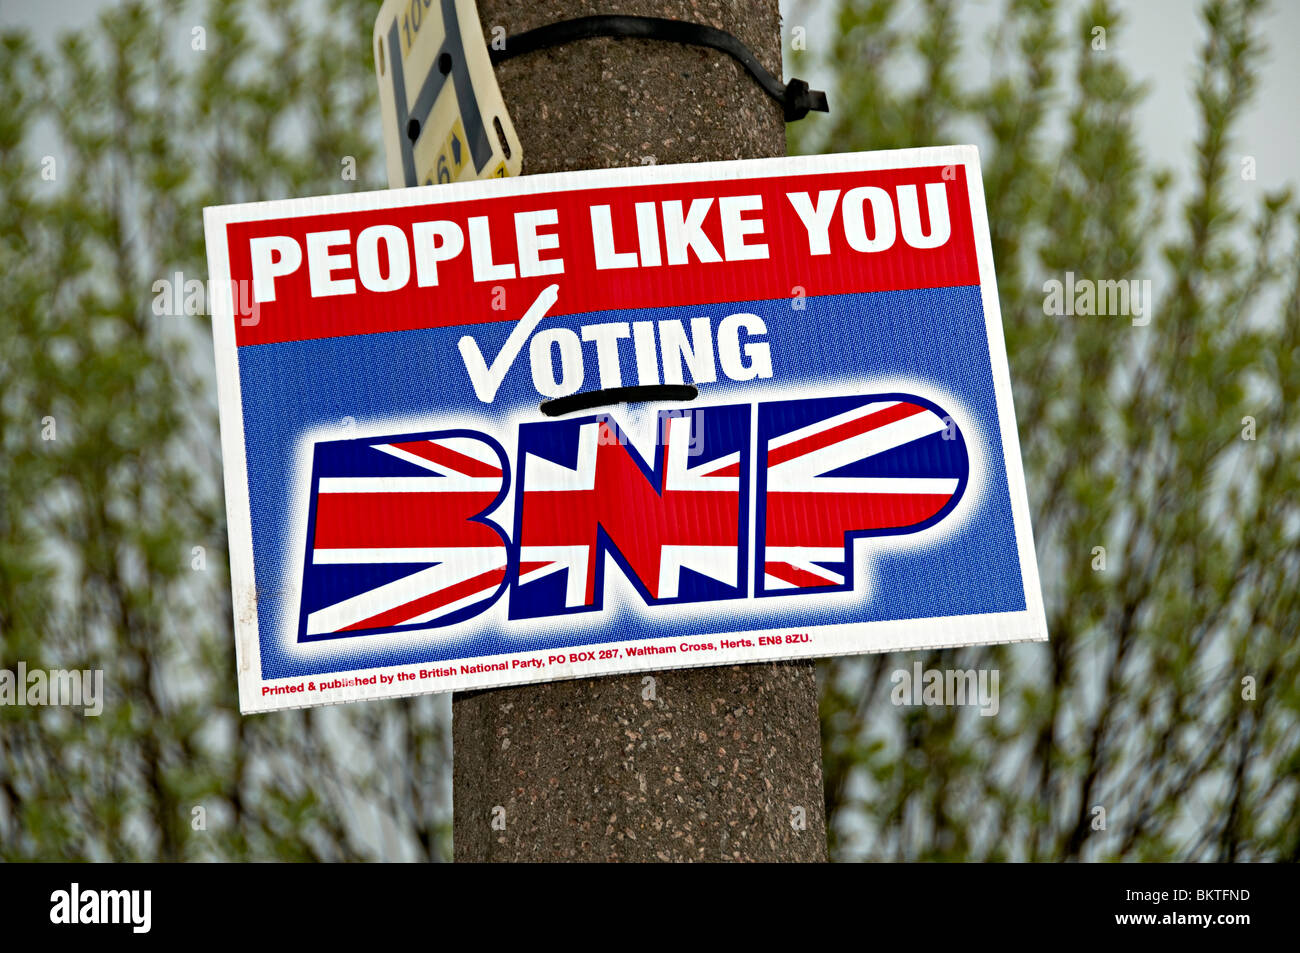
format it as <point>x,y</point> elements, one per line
<point>1027,625</point>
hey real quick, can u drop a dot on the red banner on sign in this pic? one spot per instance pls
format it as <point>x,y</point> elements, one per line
<point>608,249</point>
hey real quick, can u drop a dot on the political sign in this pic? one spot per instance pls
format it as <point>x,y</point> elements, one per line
<point>443,115</point>
<point>413,508</point>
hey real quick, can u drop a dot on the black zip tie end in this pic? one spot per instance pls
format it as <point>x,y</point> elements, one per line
<point>799,100</point>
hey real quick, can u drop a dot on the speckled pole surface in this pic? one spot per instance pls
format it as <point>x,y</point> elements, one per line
<point>702,764</point>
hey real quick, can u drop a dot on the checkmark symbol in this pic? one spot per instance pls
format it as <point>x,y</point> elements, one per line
<point>487,380</point>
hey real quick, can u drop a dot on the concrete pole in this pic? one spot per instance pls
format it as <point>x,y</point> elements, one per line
<point>702,764</point>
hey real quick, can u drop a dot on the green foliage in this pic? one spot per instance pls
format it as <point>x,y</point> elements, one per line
<point>153,121</point>
<point>1132,440</point>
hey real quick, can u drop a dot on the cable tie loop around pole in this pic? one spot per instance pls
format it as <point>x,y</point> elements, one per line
<point>796,98</point>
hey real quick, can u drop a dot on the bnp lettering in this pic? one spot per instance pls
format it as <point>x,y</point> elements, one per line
<point>739,501</point>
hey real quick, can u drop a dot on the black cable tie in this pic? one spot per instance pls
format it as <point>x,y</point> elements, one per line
<point>795,97</point>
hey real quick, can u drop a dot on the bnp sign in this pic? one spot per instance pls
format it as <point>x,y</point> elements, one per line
<point>421,498</point>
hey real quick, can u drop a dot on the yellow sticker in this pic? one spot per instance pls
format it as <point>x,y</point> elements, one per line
<point>444,118</point>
